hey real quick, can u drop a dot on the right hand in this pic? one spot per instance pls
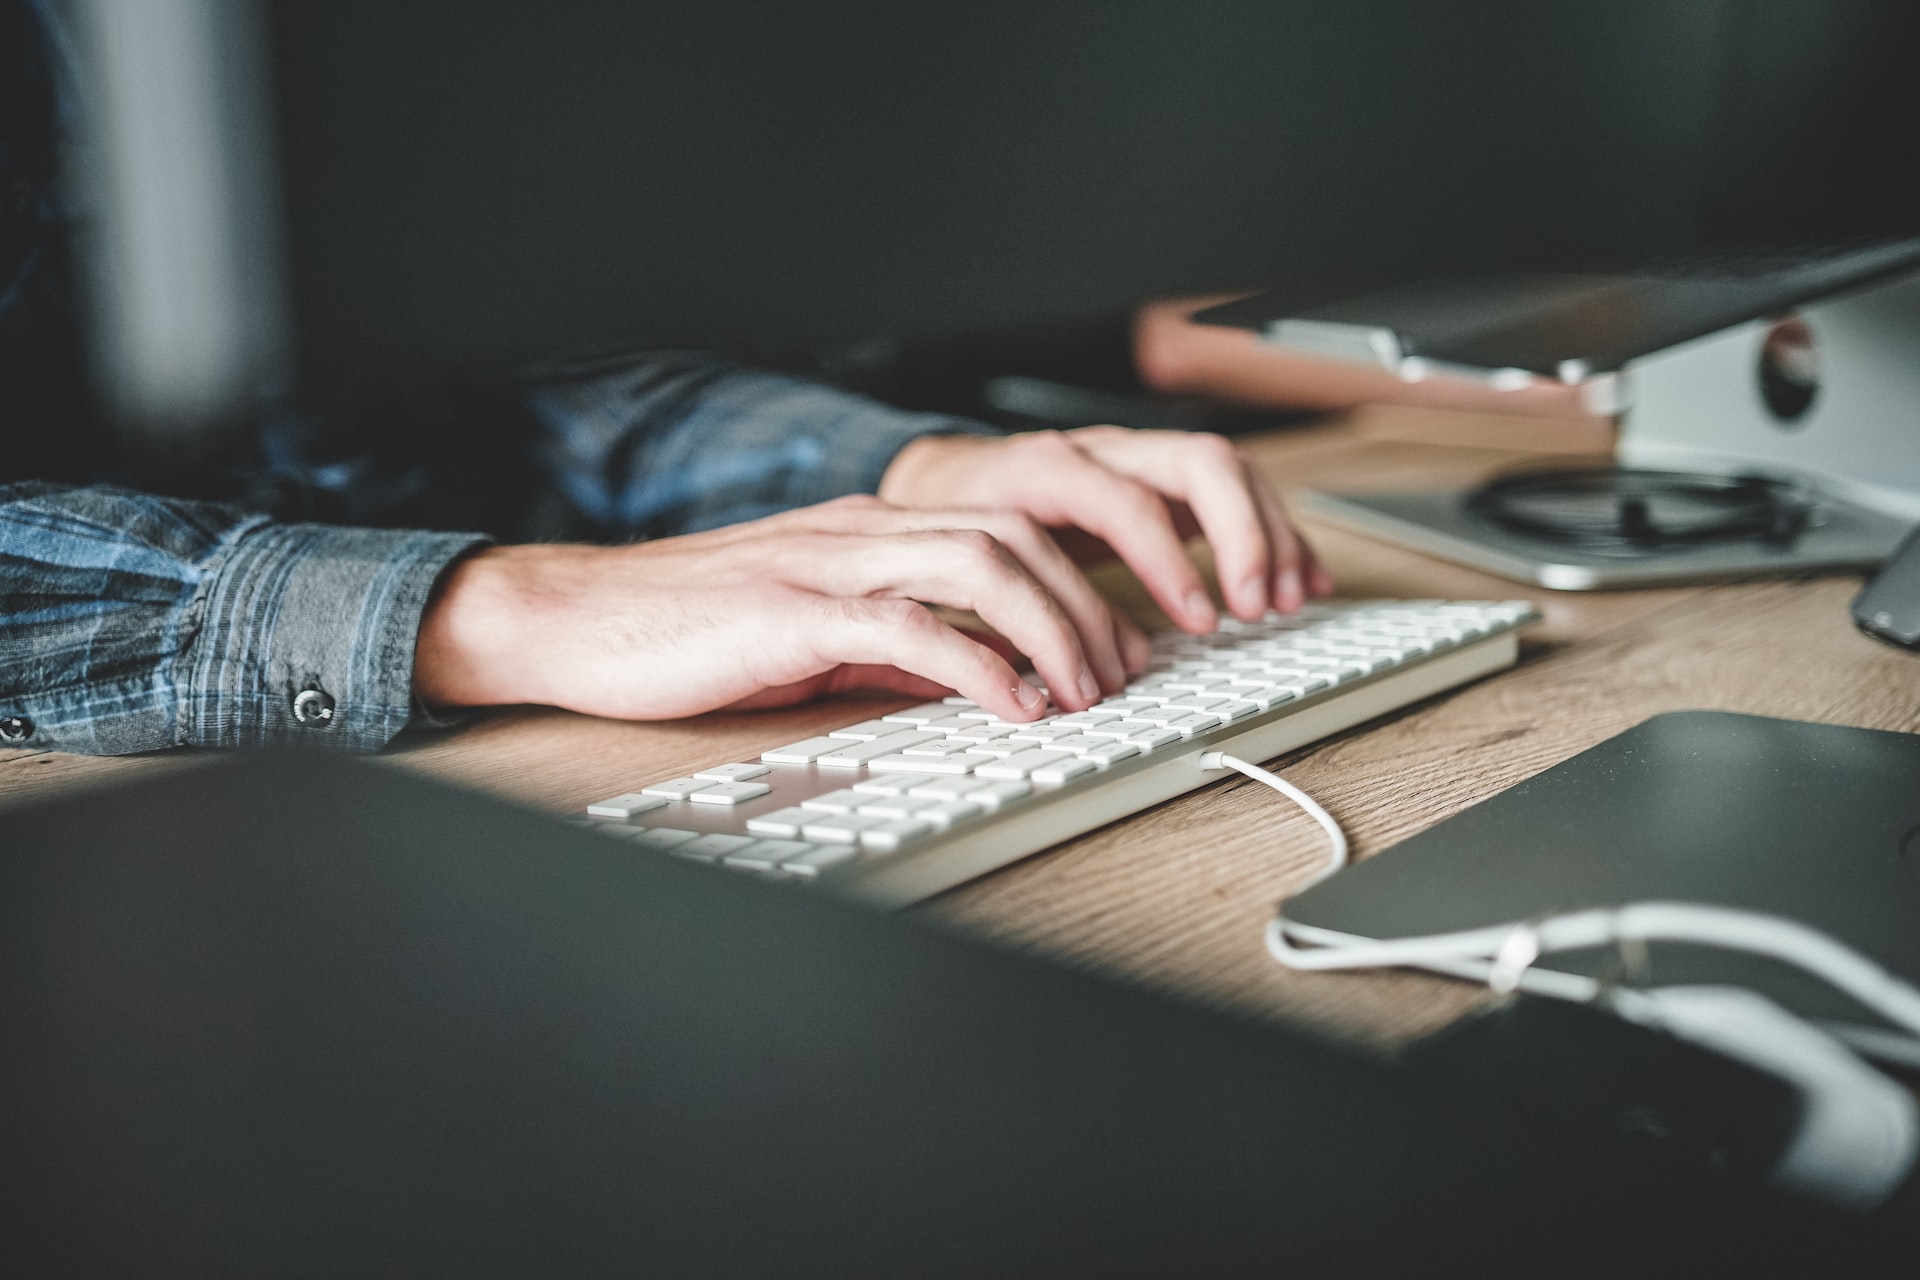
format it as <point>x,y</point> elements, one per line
<point>819,600</point>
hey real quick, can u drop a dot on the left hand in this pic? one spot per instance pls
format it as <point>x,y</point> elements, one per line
<point>1141,494</point>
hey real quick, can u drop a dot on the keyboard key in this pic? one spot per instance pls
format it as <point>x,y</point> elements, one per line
<point>822,858</point>
<point>979,732</point>
<point>887,784</point>
<point>865,731</point>
<point>949,724</point>
<point>1195,684</point>
<point>998,795</point>
<point>1085,719</point>
<point>1236,709</point>
<point>1195,704</point>
<point>955,764</point>
<point>732,772</point>
<point>781,822</point>
<point>1154,737</point>
<point>1006,746</point>
<point>938,747</point>
<point>890,835</point>
<point>1022,764</point>
<point>845,800</point>
<point>950,788</point>
<point>765,855</point>
<point>1063,771</point>
<point>626,806</point>
<point>943,814</point>
<point>803,752</point>
<point>730,793</point>
<point>925,713</point>
<point>842,828</point>
<point>1042,733</point>
<point>893,807</point>
<point>1108,752</point>
<point>664,837</point>
<point>955,700</point>
<point>852,755</point>
<point>1198,723</point>
<point>677,789</point>
<point>707,848</point>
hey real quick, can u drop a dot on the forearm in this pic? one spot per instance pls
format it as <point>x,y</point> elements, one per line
<point>135,623</point>
<point>669,443</point>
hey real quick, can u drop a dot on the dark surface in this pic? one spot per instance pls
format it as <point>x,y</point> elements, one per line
<point>477,180</point>
<point>300,1016</point>
<point>1888,607</point>
<point>1817,823</point>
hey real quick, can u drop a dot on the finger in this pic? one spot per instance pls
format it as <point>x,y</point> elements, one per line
<point>902,634</point>
<point>1134,520</point>
<point>1319,580</point>
<point>1050,566</point>
<point>1289,552</point>
<point>1135,649</point>
<point>1208,475</point>
<point>963,569</point>
<point>1314,578</point>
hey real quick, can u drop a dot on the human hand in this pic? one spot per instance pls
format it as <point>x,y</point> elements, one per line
<point>819,600</point>
<point>1141,494</point>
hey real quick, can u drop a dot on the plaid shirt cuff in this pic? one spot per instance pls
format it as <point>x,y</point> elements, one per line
<point>306,636</point>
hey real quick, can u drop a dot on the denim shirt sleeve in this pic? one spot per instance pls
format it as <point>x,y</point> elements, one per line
<point>133,623</point>
<point>673,442</point>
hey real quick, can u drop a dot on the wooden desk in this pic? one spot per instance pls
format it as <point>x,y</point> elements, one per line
<point>1177,897</point>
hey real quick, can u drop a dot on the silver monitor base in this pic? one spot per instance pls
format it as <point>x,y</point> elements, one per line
<point>1436,522</point>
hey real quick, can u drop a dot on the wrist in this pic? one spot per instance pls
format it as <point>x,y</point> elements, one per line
<point>479,643</point>
<point>921,474</point>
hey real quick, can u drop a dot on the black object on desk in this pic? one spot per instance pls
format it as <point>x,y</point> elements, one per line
<point>1816,823</point>
<point>303,1016</point>
<point>1888,607</point>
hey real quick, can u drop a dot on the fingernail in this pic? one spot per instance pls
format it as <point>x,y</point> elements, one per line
<point>1089,687</point>
<point>1252,596</point>
<point>1200,609</point>
<point>1027,696</point>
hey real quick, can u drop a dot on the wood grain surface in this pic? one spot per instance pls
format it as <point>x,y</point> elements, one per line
<point>1176,897</point>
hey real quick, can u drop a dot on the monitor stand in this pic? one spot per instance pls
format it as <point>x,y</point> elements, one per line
<point>1827,397</point>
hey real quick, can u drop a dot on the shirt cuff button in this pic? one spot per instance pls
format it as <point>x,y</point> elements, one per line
<point>313,708</point>
<point>15,729</point>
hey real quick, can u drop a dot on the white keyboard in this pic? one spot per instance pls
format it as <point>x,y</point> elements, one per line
<point>901,807</point>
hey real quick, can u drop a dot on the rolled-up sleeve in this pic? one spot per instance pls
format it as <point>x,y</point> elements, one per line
<point>130,622</point>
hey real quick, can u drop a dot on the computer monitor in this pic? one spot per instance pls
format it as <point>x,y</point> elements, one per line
<point>369,185</point>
